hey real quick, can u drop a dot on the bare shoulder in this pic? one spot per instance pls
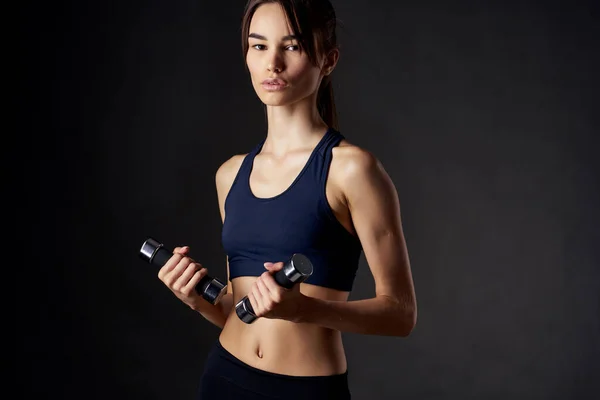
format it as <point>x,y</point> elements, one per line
<point>224,178</point>
<point>351,162</point>
<point>360,177</point>
<point>227,171</point>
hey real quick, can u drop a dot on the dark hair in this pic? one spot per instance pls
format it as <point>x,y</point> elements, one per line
<point>313,22</point>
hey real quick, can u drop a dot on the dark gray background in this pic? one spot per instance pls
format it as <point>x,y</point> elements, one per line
<point>483,115</point>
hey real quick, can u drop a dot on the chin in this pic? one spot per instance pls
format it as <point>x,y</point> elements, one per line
<point>275,99</point>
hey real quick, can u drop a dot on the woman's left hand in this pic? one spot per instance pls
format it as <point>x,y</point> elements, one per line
<point>269,300</point>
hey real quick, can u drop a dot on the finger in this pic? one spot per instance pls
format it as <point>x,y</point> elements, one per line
<point>193,282</point>
<point>185,276</point>
<point>172,276</point>
<point>258,297</point>
<point>255,304</point>
<point>273,287</point>
<point>267,295</point>
<point>169,265</point>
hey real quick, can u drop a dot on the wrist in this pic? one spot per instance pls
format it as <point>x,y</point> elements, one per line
<point>200,304</point>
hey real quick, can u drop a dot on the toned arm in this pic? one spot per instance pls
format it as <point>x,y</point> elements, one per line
<point>223,180</point>
<point>375,209</point>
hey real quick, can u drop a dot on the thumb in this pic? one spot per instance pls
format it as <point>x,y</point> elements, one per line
<point>183,250</point>
<point>273,266</point>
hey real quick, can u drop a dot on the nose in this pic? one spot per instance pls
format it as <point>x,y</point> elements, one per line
<point>275,62</point>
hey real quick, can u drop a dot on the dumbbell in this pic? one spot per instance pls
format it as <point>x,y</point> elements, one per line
<point>296,270</point>
<point>211,289</point>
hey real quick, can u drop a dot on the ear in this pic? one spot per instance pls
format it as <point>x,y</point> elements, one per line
<point>330,62</point>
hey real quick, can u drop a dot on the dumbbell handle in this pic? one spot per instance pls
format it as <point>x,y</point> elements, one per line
<point>296,270</point>
<point>154,252</point>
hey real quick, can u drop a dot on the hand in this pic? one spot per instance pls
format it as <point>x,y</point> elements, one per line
<point>270,300</point>
<point>181,274</point>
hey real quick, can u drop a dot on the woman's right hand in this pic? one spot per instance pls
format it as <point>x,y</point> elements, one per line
<point>181,274</point>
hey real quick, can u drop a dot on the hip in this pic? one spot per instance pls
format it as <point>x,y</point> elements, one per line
<point>227,377</point>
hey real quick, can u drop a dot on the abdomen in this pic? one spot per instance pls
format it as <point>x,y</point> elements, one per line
<point>285,347</point>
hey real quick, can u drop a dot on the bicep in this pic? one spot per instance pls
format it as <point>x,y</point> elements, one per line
<point>375,209</point>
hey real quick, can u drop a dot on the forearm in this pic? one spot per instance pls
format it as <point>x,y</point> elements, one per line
<point>380,315</point>
<point>216,313</point>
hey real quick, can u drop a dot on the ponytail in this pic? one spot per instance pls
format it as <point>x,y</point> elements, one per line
<point>326,103</point>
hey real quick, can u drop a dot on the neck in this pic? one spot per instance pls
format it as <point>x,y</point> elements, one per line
<point>293,126</point>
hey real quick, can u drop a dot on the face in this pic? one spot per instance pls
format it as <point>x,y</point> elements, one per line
<point>281,74</point>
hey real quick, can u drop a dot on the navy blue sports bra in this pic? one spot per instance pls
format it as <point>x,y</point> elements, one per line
<point>299,220</point>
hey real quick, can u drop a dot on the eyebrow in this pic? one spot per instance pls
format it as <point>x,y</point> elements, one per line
<point>261,37</point>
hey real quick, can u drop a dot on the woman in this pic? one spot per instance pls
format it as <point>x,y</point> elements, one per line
<point>303,189</point>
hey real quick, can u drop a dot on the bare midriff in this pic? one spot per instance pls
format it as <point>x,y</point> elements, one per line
<point>284,347</point>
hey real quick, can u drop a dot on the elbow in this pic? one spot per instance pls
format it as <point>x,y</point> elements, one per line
<point>405,318</point>
<point>408,322</point>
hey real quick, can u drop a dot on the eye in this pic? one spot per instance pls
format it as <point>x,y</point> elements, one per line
<point>293,47</point>
<point>258,46</point>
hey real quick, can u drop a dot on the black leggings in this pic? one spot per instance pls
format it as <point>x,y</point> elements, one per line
<point>226,377</point>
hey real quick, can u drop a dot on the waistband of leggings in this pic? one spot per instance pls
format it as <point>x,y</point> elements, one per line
<point>314,378</point>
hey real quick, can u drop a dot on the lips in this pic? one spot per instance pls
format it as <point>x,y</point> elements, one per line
<point>274,81</point>
<point>274,84</point>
